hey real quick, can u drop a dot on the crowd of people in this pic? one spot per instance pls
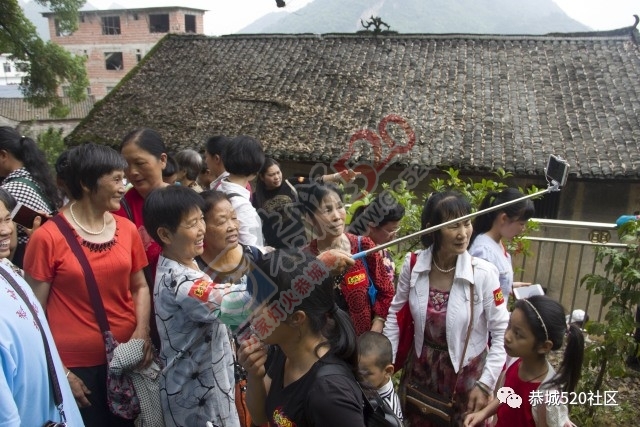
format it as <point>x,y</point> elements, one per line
<point>224,281</point>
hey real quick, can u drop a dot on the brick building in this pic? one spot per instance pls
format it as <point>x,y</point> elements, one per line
<point>11,73</point>
<point>114,41</point>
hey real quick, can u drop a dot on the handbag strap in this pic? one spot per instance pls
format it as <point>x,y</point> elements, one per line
<point>469,328</point>
<point>51,369</point>
<point>364,258</point>
<point>90,279</point>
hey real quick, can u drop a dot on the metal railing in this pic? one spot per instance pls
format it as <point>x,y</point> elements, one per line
<point>561,254</point>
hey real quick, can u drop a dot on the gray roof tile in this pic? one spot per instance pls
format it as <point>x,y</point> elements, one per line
<point>19,110</point>
<point>475,102</point>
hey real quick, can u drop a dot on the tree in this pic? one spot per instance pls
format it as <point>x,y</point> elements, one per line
<point>612,341</point>
<point>377,23</point>
<point>47,65</point>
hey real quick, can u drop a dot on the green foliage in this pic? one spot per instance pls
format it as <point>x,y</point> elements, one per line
<point>409,224</point>
<point>612,339</point>
<point>47,64</point>
<point>475,191</point>
<point>52,143</point>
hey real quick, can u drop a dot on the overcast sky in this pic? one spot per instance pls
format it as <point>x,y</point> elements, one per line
<point>229,16</point>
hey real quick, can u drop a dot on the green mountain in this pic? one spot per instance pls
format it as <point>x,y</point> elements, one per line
<point>424,16</point>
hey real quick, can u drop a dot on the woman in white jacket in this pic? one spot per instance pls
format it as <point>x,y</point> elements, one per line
<point>438,291</point>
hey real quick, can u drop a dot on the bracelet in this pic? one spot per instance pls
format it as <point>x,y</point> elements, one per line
<point>379,318</point>
<point>68,372</point>
<point>483,388</point>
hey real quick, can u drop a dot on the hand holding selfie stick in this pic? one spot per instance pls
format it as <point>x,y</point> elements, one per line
<point>556,172</point>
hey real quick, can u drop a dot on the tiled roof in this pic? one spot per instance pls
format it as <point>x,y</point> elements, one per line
<point>19,110</point>
<point>475,102</point>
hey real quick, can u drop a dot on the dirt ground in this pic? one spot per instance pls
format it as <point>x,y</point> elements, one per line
<point>628,398</point>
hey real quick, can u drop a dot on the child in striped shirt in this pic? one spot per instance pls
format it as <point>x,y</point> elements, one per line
<point>376,367</point>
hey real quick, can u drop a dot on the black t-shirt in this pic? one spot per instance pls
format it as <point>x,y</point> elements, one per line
<point>328,400</point>
<point>281,215</point>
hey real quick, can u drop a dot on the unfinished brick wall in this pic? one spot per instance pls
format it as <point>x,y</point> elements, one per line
<point>133,42</point>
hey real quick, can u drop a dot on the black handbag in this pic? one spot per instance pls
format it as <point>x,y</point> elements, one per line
<point>377,413</point>
<point>435,407</point>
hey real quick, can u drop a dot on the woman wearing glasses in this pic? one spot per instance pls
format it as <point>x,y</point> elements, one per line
<point>380,221</point>
<point>114,250</point>
<point>325,209</point>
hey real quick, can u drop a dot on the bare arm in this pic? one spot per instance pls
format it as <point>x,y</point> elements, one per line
<point>79,390</point>
<point>142,304</point>
<point>347,175</point>
<point>478,417</point>
<point>41,289</point>
<point>252,356</point>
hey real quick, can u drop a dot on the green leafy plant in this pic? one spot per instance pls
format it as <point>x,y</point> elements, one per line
<point>612,340</point>
<point>47,65</point>
<point>51,142</point>
<point>475,191</point>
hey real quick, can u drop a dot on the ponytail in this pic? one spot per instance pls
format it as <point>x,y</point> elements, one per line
<point>342,339</point>
<point>34,161</point>
<point>570,368</point>
<point>482,223</point>
<point>324,316</point>
<point>521,211</point>
<point>548,323</point>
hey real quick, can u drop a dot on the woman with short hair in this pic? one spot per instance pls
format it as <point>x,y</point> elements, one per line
<point>94,178</point>
<point>197,383</point>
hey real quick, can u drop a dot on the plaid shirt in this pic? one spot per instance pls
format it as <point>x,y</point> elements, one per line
<point>26,195</point>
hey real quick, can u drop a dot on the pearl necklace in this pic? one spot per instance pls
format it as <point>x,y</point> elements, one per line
<point>93,233</point>
<point>442,270</point>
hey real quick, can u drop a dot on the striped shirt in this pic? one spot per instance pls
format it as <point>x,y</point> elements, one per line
<point>389,395</point>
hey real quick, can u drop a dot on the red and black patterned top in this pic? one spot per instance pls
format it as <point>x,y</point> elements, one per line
<point>355,283</point>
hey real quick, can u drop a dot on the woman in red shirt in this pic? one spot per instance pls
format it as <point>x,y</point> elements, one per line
<point>323,204</point>
<point>145,154</point>
<point>94,177</point>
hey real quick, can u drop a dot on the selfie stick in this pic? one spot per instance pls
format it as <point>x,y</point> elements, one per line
<point>553,186</point>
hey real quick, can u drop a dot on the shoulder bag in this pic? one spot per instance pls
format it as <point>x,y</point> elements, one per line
<point>377,413</point>
<point>51,369</point>
<point>435,407</point>
<point>121,395</point>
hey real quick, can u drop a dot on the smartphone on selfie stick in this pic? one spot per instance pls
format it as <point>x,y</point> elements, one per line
<point>557,171</point>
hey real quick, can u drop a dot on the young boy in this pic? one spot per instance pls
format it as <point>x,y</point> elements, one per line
<point>375,356</point>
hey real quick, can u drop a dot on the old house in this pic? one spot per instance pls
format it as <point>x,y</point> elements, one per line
<point>474,102</point>
<point>26,118</point>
